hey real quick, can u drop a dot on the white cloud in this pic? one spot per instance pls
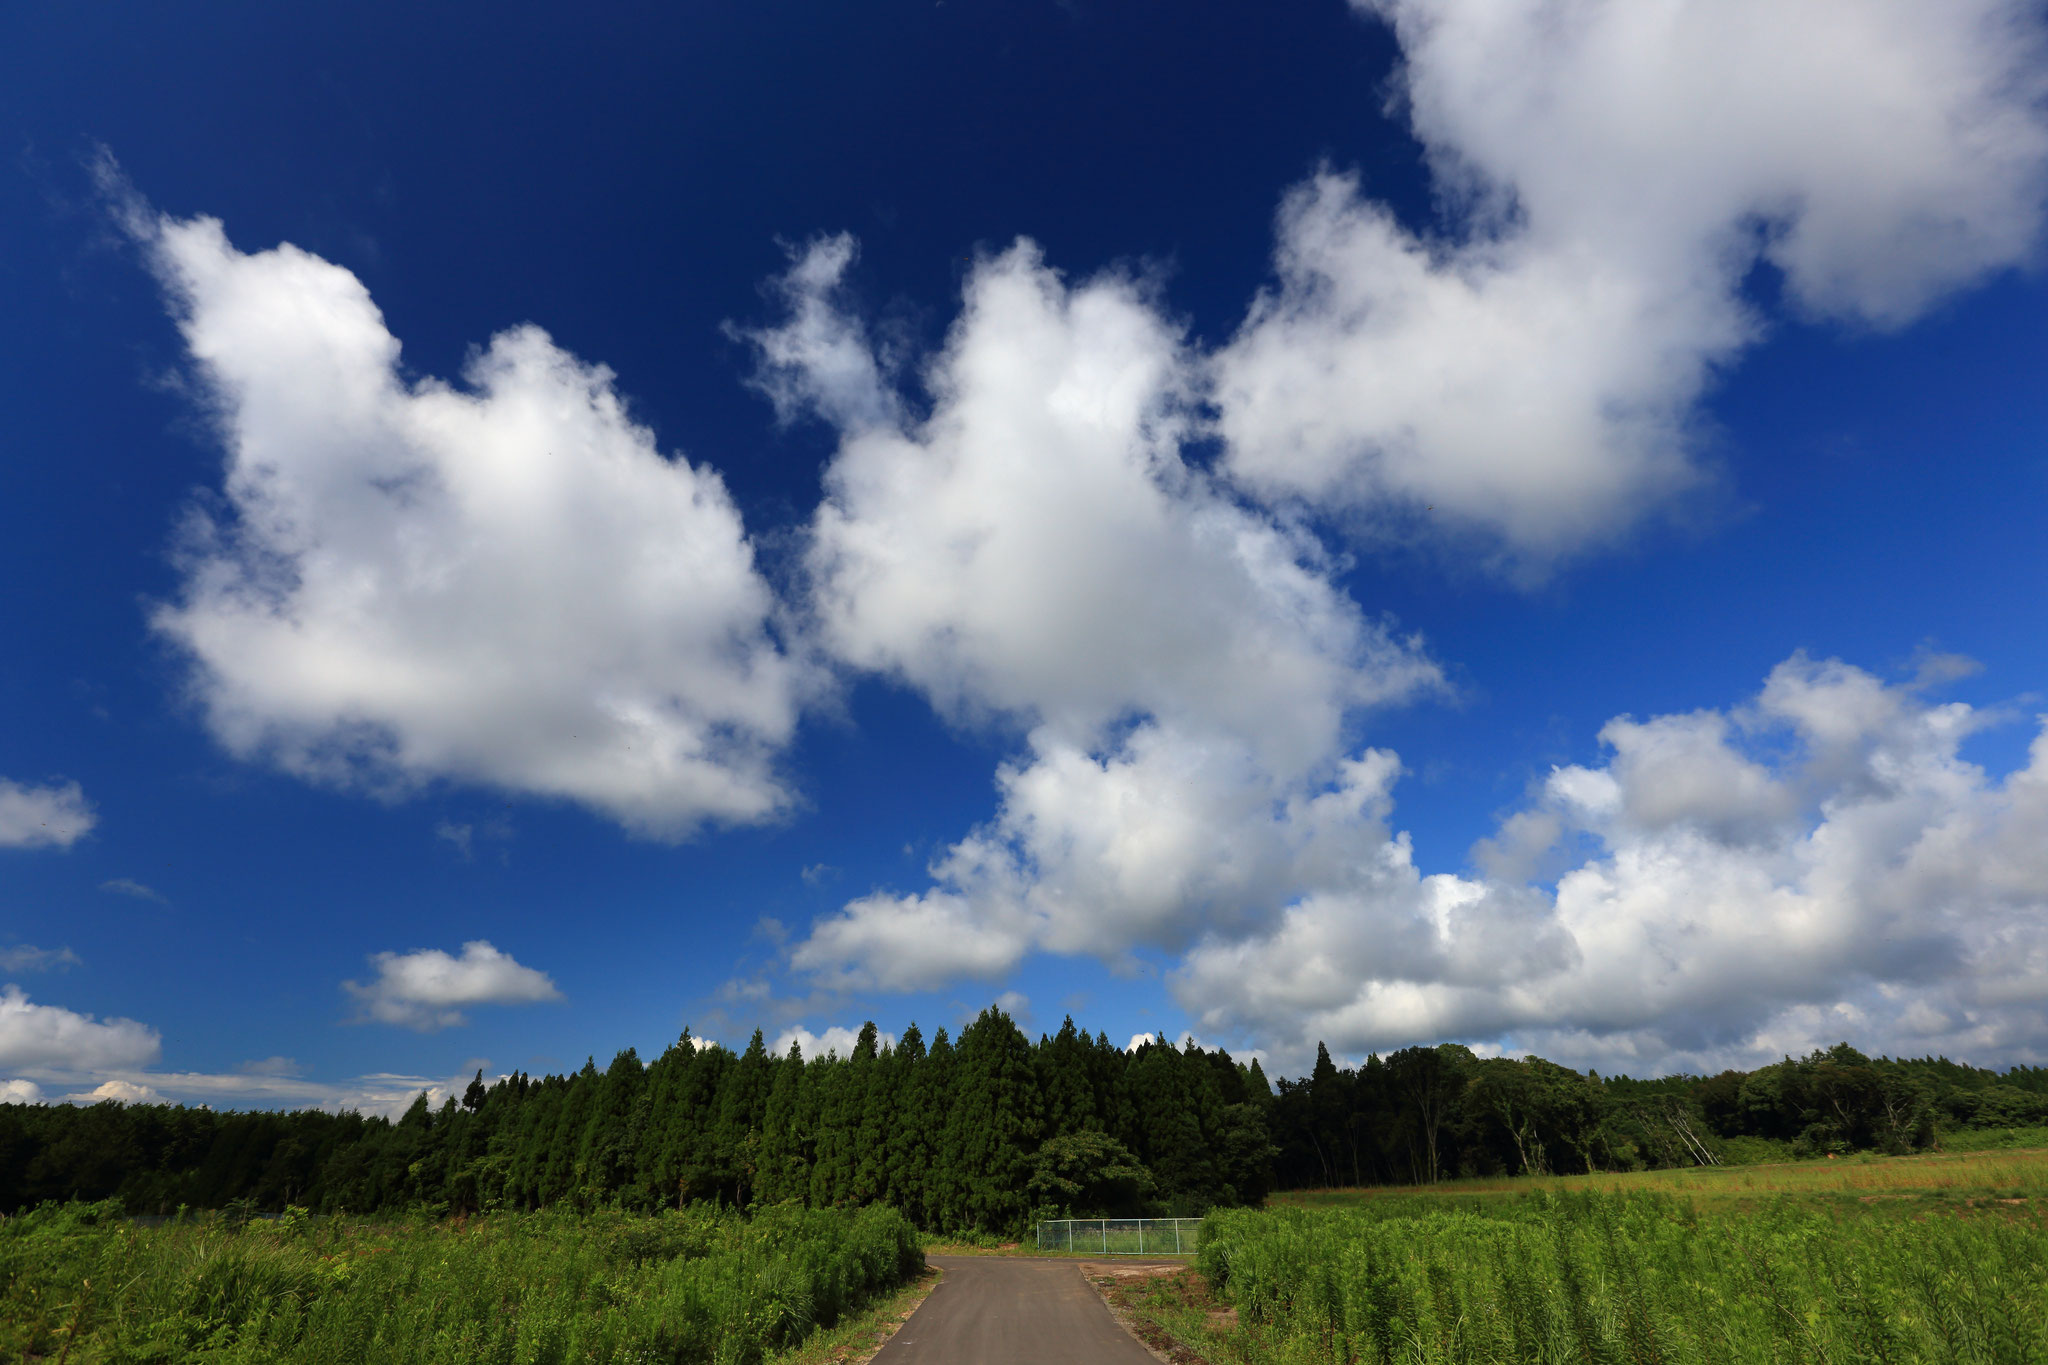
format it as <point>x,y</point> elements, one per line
<point>504,583</point>
<point>428,989</point>
<point>1163,840</point>
<point>1616,170</point>
<point>128,886</point>
<point>385,1093</point>
<point>1817,864</point>
<point>26,957</point>
<point>1035,548</point>
<point>36,1036</point>
<point>836,1039</point>
<point>53,816</point>
<point>20,1092</point>
<point>121,1092</point>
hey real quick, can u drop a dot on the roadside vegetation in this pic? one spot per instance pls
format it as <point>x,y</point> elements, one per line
<point>723,1206</point>
<point>1600,1276</point>
<point>81,1282</point>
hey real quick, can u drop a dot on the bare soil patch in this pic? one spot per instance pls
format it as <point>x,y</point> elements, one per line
<point>1144,1297</point>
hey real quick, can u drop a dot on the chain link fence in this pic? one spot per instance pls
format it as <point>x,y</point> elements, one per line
<point>1120,1236</point>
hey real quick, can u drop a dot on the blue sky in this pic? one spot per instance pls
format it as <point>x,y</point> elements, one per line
<point>1377,523</point>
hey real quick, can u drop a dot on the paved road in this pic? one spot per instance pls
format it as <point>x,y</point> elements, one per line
<point>1001,1310</point>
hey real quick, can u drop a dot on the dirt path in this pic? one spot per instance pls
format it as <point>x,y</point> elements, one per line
<point>1002,1310</point>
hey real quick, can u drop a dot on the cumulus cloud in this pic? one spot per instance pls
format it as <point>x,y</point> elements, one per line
<point>1611,174</point>
<point>26,957</point>
<point>1032,544</point>
<point>128,886</point>
<point>1034,548</point>
<point>385,1093</point>
<point>1165,840</point>
<point>36,1036</point>
<point>1817,863</point>
<point>120,1092</point>
<point>428,989</point>
<point>52,816</point>
<point>835,1039</point>
<point>505,582</point>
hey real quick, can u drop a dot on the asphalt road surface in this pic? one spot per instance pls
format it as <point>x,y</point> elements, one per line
<point>1002,1310</point>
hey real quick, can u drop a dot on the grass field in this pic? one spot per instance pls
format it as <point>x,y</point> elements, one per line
<point>1935,1177</point>
<point>1938,1259</point>
<point>79,1283</point>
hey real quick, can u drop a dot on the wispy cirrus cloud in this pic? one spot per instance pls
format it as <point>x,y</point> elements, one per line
<point>128,886</point>
<point>26,957</point>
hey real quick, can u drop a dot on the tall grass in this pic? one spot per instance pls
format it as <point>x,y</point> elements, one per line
<point>1990,1173</point>
<point>80,1283</point>
<point>1641,1278</point>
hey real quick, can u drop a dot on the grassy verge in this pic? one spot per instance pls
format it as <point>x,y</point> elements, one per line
<point>860,1335</point>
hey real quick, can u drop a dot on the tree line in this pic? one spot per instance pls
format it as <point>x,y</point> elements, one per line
<point>985,1131</point>
<point>1424,1113</point>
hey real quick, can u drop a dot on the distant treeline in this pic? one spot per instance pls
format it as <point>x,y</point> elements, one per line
<point>987,1130</point>
<point>1425,1113</point>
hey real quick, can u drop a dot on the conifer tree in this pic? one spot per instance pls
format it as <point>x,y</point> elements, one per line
<point>912,1123</point>
<point>944,1196</point>
<point>612,1133</point>
<point>694,1165</point>
<point>1063,1081</point>
<point>742,1110</point>
<point>994,1123</point>
<point>1164,1087</point>
<point>834,1120</point>
<point>877,1086</point>
<point>562,1177</point>
<point>785,1163</point>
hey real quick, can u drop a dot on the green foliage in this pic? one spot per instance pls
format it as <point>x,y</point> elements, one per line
<point>1087,1174</point>
<point>80,1281</point>
<point>1637,1278</point>
<point>951,1134</point>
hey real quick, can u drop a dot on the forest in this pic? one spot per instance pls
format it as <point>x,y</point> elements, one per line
<point>989,1130</point>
